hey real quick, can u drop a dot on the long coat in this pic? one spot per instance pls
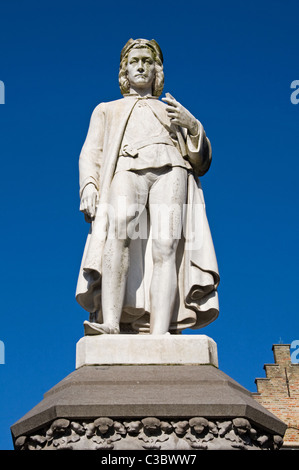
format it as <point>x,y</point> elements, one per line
<point>198,278</point>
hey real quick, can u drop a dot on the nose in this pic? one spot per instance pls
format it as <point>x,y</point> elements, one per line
<point>140,66</point>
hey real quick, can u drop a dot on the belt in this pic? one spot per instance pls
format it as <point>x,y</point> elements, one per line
<point>128,150</point>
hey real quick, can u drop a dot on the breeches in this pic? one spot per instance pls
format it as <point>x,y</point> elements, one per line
<point>155,194</point>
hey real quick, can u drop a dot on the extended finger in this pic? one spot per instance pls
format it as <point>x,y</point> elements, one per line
<point>168,95</point>
<point>170,100</point>
<point>171,111</point>
<point>171,103</point>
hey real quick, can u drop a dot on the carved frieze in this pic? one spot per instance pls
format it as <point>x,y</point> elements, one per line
<point>149,433</point>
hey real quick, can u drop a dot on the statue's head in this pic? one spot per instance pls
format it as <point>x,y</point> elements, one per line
<point>156,53</point>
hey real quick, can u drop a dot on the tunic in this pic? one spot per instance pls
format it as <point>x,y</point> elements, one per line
<point>142,131</point>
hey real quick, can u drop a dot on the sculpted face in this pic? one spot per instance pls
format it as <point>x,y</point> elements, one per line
<point>141,69</point>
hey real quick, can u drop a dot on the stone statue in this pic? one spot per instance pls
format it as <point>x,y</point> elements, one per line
<point>149,264</point>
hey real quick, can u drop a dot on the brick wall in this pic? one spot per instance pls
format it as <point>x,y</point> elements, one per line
<point>279,392</point>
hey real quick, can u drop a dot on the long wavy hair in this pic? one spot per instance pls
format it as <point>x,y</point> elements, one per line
<point>158,83</point>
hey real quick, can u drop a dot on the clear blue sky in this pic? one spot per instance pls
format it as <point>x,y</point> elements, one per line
<point>231,64</point>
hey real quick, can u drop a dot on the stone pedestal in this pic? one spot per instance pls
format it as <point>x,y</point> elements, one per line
<point>146,349</point>
<point>153,393</point>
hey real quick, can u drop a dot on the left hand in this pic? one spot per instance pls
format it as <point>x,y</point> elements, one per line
<point>179,115</point>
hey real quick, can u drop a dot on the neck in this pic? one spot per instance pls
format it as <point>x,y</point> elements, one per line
<point>141,92</point>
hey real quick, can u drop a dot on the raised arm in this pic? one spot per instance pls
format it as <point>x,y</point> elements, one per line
<point>198,145</point>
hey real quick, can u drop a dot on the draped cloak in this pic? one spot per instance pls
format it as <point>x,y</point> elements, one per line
<point>197,270</point>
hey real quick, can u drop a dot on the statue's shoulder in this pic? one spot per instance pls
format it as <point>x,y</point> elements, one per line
<point>111,106</point>
<point>107,104</point>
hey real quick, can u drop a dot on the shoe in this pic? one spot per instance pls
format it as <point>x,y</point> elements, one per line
<point>99,329</point>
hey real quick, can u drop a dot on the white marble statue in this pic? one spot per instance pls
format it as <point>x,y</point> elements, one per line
<point>149,264</point>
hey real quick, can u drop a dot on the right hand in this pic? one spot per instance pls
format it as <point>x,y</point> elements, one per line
<point>89,201</point>
<point>179,115</point>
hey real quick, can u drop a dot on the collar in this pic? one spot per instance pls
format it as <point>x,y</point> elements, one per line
<point>135,95</point>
